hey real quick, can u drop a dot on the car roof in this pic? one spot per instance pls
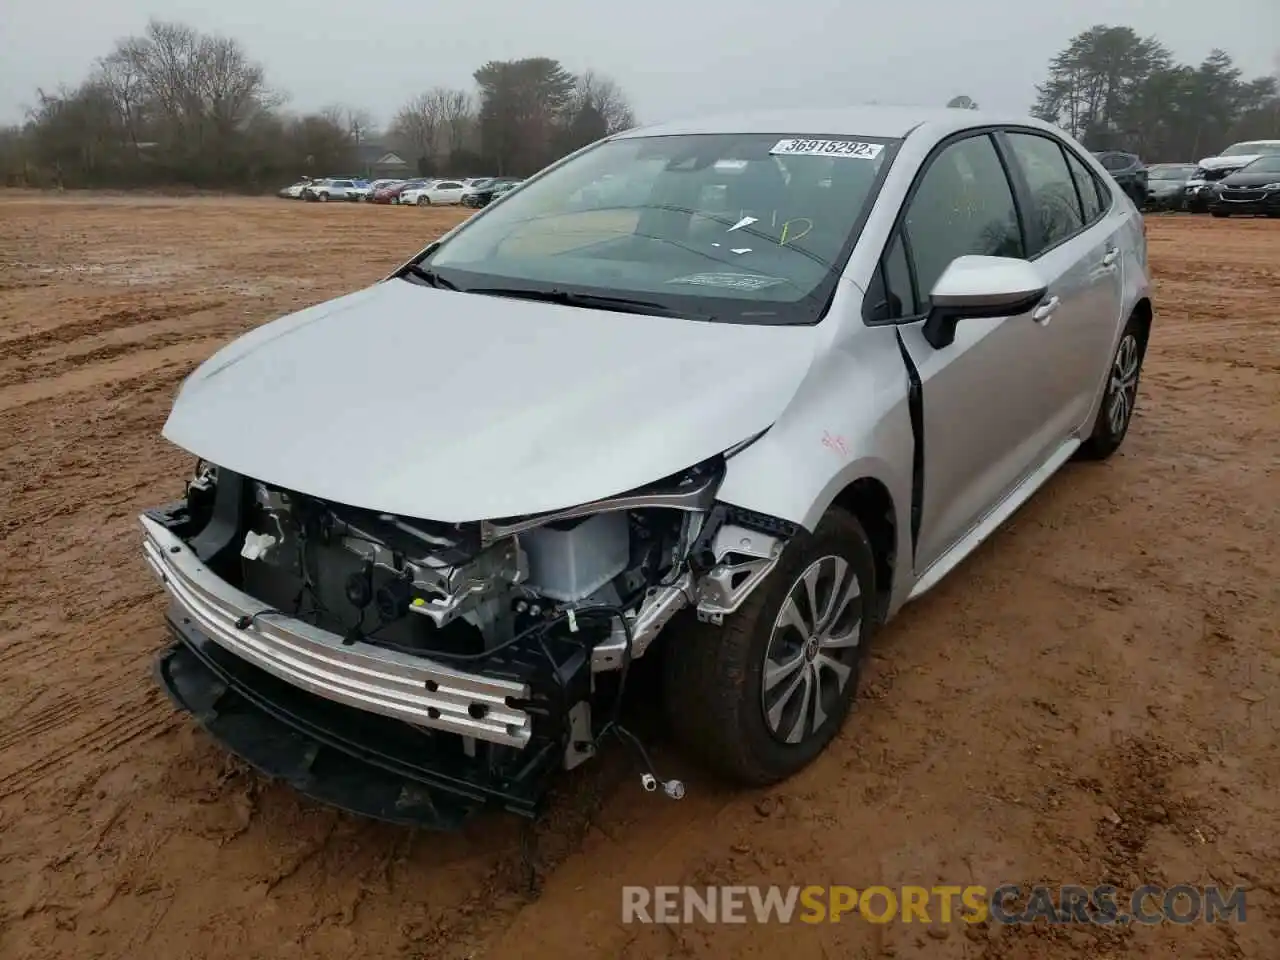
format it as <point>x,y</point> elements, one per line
<point>887,122</point>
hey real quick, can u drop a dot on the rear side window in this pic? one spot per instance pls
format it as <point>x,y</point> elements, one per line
<point>1055,214</point>
<point>963,205</point>
<point>1090,199</point>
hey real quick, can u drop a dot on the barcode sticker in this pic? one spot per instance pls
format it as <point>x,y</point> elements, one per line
<point>852,149</point>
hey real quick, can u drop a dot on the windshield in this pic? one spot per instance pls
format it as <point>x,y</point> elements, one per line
<point>1254,146</point>
<point>1264,165</point>
<point>1176,171</point>
<point>735,227</point>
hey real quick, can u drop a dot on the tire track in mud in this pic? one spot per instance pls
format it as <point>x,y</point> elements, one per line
<point>159,366</point>
<point>85,728</point>
<point>57,366</point>
<point>25,346</point>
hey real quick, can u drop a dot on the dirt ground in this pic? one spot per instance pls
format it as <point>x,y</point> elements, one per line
<point>1092,697</point>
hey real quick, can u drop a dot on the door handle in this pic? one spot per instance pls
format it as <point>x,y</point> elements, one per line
<point>1111,257</point>
<point>1046,310</point>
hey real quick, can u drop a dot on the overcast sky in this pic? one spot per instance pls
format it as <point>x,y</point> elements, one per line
<point>673,57</point>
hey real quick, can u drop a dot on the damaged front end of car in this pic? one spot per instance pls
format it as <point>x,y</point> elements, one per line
<point>417,671</point>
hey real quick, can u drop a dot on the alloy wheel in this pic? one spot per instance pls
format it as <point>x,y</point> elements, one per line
<point>1123,392</point>
<point>812,649</point>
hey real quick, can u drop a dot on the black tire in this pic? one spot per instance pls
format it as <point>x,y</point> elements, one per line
<point>1219,213</point>
<point>424,201</point>
<point>1108,431</point>
<point>322,197</point>
<point>714,675</point>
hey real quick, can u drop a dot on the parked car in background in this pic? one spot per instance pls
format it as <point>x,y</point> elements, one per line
<point>387,191</point>
<point>1213,169</point>
<point>472,187</point>
<point>294,190</point>
<point>791,424</point>
<point>485,192</point>
<point>437,192</point>
<point>1253,189</point>
<point>364,189</point>
<point>1167,185</point>
<point>1129,171</point>
<point>402,188</point>
<point>328,189</point>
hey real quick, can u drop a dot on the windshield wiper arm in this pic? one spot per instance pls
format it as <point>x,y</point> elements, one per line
<point>429,277</point>
<point>591,301</point>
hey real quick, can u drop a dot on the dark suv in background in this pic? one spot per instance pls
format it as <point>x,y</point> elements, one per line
<point>1129,171</point>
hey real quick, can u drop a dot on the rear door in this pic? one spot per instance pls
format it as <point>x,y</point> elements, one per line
<point>448,191</point>
<point>1076,245</point>
<point>983,413</point>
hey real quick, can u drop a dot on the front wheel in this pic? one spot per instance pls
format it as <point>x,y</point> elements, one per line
<point>424,201</point>
<point>760,697</point>
<point>1220,213</point>
<point>1120,396</point>
<point>323,198</point>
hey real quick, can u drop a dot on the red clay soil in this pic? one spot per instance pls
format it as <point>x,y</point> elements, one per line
<point>1091,697</point>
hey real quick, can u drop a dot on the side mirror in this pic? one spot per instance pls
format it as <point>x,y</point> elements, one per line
<point>974,287</point>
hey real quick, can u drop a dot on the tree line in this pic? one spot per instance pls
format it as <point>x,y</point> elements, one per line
<point>1115,90</point>
<point>175,106</point>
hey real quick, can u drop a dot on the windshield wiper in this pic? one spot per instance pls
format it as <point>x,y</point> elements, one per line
<point>590,301</point>
<point>429,277</point>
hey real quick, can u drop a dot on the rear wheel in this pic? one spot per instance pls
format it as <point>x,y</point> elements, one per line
<point>758,698</point>
<point>1120,396</point>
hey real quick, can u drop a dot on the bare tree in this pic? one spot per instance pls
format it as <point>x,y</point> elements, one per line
<point>121,77</point>
<point>458,114</point>
<point>357,121</point>
<point>603,95</point>
<point>417,125</point>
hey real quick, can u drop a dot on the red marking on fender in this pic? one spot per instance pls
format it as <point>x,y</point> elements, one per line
<point>836,443</point>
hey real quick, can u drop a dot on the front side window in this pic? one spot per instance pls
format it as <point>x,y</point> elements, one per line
<point>750,228</point>
<point>1055,213</point>
<point>963,206</point>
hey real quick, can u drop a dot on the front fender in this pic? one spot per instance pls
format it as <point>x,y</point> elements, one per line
<point>848,421</point>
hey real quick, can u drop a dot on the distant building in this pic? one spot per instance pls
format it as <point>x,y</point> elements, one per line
<point>377,162</point>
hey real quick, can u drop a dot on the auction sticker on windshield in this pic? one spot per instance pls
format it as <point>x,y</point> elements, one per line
<point>853,149</point>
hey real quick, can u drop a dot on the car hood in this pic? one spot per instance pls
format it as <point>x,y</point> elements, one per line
<point>460,407</point>
<point>1246,179</point>
<point>1226,163</point>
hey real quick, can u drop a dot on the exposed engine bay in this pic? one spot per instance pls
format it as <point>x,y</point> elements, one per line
<point>555,606</point>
